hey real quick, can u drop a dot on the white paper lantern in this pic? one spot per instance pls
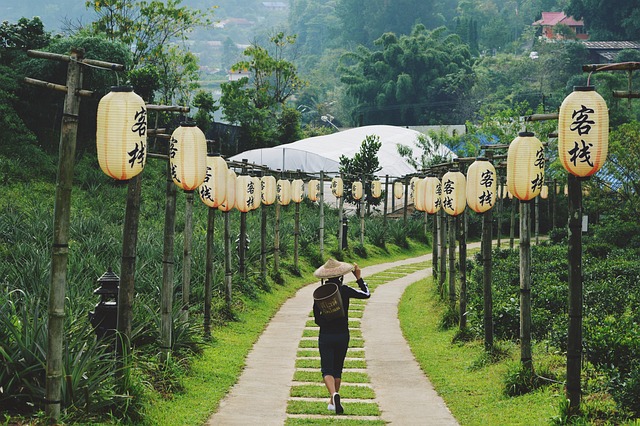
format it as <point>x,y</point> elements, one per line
<point>525,167</point>
<point>337,187</point>
<point>481,185</point>
<point>454,193</point>
<point>283,191</point>
<point>356,190</point>
<point>188,156</point>
<point>121,133</point>
<point>230,200</point>
<point>376,189</point>
<point>313,189</point>
<point>213,189</point>
<point>297,190</point>
<point>268,184</point>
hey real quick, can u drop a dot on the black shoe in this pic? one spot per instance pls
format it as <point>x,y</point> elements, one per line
<point>336,403</point>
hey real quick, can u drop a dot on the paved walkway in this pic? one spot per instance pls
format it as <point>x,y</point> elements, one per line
<point>404,394</point>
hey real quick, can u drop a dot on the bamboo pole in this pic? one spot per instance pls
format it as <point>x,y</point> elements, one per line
<point>487,292</point>
<point>276,240</point>
<point>525,287</point>
<point>499,219</point>
<point>296,236</point>
<point>362,209</point>
<point>574,338</point>
<point>537,223</point>
<point>340,226</point>
<point>128,266</point>
<point>434,248</point>
<point>60,248</point>
<point>321,230</point>
<point>443,252</point>
<point>168,266</point>
<point>228,273</point>
<point>242,244</point>
<point>208,273</point>
<point>386,201</point>
<point>514,201</point>
<point>406,200</point>
<point>186,257</point>
<point>263,243</point>
<point>452,222</point>
<point>462,243</point>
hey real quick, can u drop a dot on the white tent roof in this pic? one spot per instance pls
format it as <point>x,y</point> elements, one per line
<point>322,153</point>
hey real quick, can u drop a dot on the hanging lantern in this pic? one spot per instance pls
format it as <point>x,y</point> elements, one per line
<point>188,156</point>
<point>419,195</point>
<point>257,199</point>
<point>268,184</point>
<point>230,200</point>
<point>356,190</point>
<point>245,193</point>
<point>121,133</point>
<point>213,189</point>
<point>376,189</point>
<point>283,191</point>
<point>337,187</point>
<point>509,195</point>
<point>583,131</point>
<point>525,166</point>
<point>412,189</point>
<point>297,190</point>
<point>481,185</point>
<point>313,189</point>
<point>432,192</point>
<point>398,189</point>
<point>454,192</point>
<point>544,192</point>
<point>566,190</point>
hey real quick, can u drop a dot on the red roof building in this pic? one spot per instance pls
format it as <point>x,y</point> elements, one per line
<point>551,19</point>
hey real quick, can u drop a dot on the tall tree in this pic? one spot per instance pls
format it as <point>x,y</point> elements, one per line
<point>418,78</point>
<point>257,102</point>
<point>604,22</point>
<point>363,165</point>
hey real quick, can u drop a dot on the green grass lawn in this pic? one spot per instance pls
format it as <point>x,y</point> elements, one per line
<point>472,391</point>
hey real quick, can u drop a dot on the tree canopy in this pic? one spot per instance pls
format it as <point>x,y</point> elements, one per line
<point>418,78</point>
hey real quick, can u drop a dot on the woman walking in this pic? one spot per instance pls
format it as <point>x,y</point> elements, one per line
<point>333,340</point>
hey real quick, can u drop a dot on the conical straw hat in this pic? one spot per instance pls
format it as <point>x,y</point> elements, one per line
<point>332,268</point>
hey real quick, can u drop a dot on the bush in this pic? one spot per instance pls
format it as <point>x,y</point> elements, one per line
<point>520,380</point>
<point>398,233</point>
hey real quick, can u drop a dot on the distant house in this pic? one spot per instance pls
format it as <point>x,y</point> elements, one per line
<point>274,5</point>
<point>605,52</point>
<point>551,19</point>
<point>235,75</point>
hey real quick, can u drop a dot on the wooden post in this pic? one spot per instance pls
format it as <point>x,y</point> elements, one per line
<point>452,222</point>
<point>208,273</point>
<point>228,274</point>
<point>186,258</point>
<point>574,338</point>
<point>321,230</point>
<point>168,266</point>
<point>60,248</point>
<point>487,292</point>
<point>525,287</point>
<point>128,266</point>
<point>462,255</point>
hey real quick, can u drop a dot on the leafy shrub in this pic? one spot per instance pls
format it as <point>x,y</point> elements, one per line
<point>520,380</point>
<point>398,233</point>
<point>360,250</point>
<point>376,232</point>
<point>625,389</point>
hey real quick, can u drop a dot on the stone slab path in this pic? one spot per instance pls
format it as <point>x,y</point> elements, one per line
<point>403,393</point>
